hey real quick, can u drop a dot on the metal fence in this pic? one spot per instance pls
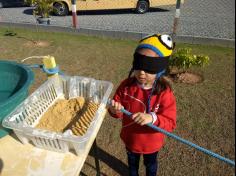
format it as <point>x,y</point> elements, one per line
<point>203,18</point>
<point>208,18</point>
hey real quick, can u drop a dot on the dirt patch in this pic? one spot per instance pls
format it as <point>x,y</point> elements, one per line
<point>37,44</point>
<point>186,77</point>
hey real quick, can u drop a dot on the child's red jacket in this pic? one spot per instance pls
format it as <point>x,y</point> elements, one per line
<point>143,139</point>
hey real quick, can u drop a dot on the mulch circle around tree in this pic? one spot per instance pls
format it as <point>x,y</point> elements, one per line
<point>37,44</point>
<point>186,77</point>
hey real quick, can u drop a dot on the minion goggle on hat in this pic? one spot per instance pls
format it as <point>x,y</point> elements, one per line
<point>162,45</point>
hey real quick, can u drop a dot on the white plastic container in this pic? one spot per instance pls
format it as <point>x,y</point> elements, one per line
<point>27,115</point>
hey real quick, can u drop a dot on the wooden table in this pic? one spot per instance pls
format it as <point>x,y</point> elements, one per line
<point>17,159</point>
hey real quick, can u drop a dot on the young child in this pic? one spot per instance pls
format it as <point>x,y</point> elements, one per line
<point>148,96</point>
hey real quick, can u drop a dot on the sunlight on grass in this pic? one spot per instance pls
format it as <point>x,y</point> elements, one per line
<point>205,110</point>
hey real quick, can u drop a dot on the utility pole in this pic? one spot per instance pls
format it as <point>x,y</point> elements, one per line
<point>176,20</point>
<point>74,14</point>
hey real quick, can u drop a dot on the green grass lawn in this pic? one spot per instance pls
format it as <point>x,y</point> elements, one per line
<point>206,113</point>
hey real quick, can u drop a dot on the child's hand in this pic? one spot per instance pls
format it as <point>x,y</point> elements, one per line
<point>142,118</point>
<point>115,107</point>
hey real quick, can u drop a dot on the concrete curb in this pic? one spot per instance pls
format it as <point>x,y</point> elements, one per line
<point>124,34</point>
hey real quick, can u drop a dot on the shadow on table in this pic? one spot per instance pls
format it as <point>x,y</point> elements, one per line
<point>1,165</point>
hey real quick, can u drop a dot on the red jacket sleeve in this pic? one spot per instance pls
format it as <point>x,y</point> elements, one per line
<point>118,97</point>
<point>166,115</point>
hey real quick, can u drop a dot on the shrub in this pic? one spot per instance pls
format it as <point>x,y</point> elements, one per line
<point>184,59</point>
<point>43,8</point>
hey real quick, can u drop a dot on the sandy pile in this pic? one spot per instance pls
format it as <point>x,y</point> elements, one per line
<point>75,114</point>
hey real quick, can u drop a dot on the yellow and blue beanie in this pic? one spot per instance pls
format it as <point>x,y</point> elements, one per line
<point>162,45</point>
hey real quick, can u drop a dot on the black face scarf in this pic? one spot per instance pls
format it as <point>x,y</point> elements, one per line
<point>149,64</point>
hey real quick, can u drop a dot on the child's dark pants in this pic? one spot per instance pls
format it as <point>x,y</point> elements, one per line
<point>150,161</point>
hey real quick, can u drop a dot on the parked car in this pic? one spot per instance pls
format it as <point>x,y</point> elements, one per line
<point>63,7</point>
<point>12,3</point>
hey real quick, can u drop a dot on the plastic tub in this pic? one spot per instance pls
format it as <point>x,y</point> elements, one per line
<point>15,80</point>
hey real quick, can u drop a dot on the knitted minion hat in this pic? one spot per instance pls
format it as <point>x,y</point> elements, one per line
<point>162,45</point>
